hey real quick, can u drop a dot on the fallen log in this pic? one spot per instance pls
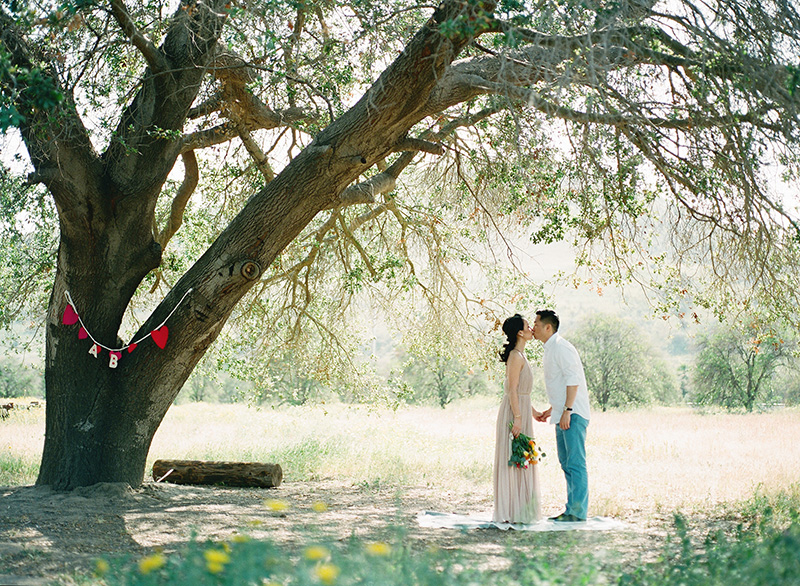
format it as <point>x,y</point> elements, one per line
<point>250,474</point>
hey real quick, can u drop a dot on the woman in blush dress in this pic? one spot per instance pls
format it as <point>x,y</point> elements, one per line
<point>516,490</point>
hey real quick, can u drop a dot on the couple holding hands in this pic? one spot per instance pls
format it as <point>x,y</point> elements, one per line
<point>516,490</point>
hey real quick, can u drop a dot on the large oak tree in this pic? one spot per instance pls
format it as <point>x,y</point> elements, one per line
<point>691,99</point>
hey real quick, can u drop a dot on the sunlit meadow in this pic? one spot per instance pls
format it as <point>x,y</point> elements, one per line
<point>641,462</point>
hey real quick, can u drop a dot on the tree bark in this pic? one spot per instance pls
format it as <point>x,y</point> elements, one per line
<point>246,474</point>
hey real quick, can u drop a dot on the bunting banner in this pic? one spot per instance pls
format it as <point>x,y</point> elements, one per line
<point>159,334</point>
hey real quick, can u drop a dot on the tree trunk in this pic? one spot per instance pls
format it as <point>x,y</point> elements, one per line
<point>248,474</point>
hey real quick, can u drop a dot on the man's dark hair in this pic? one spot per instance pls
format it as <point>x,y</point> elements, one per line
<point>548,316</point>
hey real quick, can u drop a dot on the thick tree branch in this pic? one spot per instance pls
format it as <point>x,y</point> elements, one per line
<point>190,180</point>
<point>150,123</point>
<point>261,119</point>
<point>386,180</point>
<point>260,159</point>
<point>211,105</point>
<point>418,145</point>
<point>61,152</point>
<point>366,191</point>
<point>155,58</point>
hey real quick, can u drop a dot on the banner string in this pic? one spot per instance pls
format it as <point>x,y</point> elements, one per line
<point>132,342</point>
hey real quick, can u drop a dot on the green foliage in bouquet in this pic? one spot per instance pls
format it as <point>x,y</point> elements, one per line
<point>524,451</point>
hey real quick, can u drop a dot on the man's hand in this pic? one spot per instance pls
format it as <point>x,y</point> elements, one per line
<point>565,419</point>
<point>543,416</point>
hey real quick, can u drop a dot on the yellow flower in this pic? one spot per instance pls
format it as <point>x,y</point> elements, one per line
<point>319,507</point>
<point>152,562</point>
<point>214,567</point>
<point>255,523</point>
<point>216,556</point>
<point>276,505</point>
<point>327,573</point>
<point>378,548</point>
<point>239,538</point>
<point>316,552</point>
<point>100,567</point>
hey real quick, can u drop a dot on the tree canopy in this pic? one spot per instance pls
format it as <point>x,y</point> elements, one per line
<point>332,147</point>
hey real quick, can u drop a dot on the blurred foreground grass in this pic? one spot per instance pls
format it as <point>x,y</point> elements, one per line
<point>765,549</point>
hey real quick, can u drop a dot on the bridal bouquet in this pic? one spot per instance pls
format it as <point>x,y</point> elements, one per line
<point>524,451</point>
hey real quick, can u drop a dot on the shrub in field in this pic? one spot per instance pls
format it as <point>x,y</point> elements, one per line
<point>765,555</point>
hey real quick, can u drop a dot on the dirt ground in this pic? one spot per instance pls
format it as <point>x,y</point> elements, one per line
<point>46,535</point>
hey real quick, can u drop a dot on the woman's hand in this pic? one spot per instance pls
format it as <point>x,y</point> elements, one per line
<point>517,427</point>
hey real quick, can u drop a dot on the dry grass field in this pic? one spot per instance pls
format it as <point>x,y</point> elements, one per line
<point>376,469</point>
<point>641,462</point>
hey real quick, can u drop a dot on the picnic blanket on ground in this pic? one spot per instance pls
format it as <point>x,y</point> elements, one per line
<point>436,520</point>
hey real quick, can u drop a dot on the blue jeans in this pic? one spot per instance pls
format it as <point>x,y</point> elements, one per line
<point>572,456</point>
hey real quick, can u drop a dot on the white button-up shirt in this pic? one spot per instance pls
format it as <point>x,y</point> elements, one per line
<point>563,368</point>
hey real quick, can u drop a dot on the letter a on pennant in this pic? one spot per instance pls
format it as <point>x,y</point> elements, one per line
<point>94,350</point>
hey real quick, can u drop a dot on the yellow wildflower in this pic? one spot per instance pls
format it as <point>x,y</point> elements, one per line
<point>326,573</point>
<point>276,505</point>
<point>319,507</point>
<point>214,567</point>
<point>316,552</point>
<point>152,562</point>
<point>378,548</point>
<point>239,538</point>
<point>100,567</point>
<point>216,556</point>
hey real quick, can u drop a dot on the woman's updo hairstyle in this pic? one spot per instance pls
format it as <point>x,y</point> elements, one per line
<point>511,327</point>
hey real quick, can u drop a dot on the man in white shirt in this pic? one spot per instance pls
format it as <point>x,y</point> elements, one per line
<point>565,384</point>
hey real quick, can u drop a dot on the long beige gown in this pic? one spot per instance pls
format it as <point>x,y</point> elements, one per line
<point>516,490</point>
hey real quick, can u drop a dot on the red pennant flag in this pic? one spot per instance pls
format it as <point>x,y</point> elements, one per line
<point>131,347</point>
<point>160,336</point>
<point>70,317</point>
<point>82,333</point>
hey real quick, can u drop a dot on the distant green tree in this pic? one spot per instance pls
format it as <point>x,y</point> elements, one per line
<point>17,380</point>
<point>787,387</point>
<point>621,367</point>
<point>436,377</point>
<point>735,365</point>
